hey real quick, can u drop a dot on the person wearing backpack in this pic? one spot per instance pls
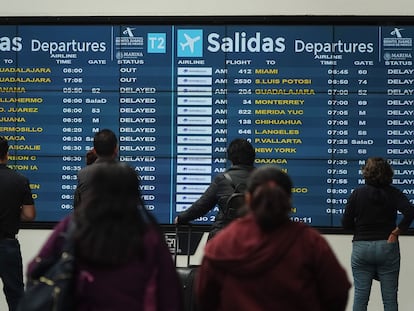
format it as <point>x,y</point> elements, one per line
<point>242,155</point>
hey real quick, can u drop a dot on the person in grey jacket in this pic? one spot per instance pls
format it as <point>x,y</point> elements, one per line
<point>242,155</point>
<point>105,146</point>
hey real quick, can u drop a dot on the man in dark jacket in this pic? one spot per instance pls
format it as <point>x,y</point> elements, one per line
<point>242,155</point>
<point>17,205</point>
<point>105,145</point>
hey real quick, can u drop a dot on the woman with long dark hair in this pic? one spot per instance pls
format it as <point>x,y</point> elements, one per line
<point>123,262</point>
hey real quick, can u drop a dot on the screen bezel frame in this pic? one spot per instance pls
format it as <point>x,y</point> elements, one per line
<point>300,20</point>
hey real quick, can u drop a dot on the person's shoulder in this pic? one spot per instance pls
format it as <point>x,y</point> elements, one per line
<point>100,162</point>
<point>93,166</point>
<point>242,226</point>
<point>63,224</point>
<point>153,236</point>
<point>394,191</point>
<point>362,189</point>
<point>220,177</point>
<point>247,168</point>
<point>16,175</point>
<point>296,226</point>
<point>392,188</point>
<point>84,170</point>
<point>239,170</point>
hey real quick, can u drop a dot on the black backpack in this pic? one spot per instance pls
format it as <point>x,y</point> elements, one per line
<point>234,207</point>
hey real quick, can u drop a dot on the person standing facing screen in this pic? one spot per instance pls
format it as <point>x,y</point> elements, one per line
<point>90,157</point>
<point>263,261</point>
<point>241,154</point>
<point>17,205</point>
<point>105,147</point>
<point>371,212</point>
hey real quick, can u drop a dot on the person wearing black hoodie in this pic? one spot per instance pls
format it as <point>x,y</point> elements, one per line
<point>264,261</point>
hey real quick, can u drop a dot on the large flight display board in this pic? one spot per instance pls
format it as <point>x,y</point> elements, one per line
<point>317,100</point>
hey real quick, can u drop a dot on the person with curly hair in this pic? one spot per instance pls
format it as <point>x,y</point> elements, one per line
<point>371,213</point>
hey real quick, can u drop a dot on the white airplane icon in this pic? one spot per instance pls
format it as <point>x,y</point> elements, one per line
<point>189,42</point>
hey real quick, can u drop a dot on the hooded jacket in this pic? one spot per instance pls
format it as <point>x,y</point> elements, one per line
<point>291,268</point>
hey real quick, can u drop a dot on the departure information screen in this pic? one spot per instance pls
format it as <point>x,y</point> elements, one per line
<point>316,100</point>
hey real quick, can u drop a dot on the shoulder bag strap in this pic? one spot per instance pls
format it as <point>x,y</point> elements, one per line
<point>228,177</point>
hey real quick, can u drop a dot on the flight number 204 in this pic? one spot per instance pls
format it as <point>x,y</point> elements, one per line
<point>244,91</point>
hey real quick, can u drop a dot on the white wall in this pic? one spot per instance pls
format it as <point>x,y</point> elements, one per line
<point>31,240</point>
<point>199,7</point>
